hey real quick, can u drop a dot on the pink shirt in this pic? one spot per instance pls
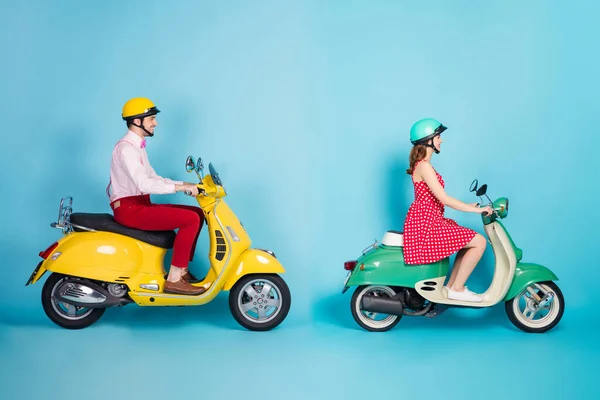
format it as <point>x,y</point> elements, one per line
<point>131,173</point>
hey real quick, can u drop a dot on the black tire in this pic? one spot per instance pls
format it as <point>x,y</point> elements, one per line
<point>550,321</point>
<point>238,298</point>
<point>364,321</point>
<point>87,318</point>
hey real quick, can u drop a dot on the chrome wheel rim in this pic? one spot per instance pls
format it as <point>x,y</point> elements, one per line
<point>370,318</point>
<point>260,301</point>
<point>532,316</point>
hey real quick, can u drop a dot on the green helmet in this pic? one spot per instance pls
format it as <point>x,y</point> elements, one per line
<point>425,129</point>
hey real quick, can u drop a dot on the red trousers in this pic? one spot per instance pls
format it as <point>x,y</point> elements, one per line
<point>139,213</point>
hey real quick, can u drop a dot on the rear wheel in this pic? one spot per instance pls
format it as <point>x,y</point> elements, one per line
<point>374,322</point>
<point>531,315</point>
<point>64,314</point>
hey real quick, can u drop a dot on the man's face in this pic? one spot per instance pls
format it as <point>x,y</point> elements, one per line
<point>149,123</point>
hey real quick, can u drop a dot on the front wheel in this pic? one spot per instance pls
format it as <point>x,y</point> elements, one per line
<point>531,315</point>
<point>64,314</point>
<point>260,302</point>
<point>371,321</point>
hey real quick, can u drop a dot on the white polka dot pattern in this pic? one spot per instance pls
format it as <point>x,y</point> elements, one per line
<point>428,235</point>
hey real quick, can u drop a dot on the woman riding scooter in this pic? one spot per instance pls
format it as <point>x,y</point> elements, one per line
<point>132,180</point>
<point>428,235</point>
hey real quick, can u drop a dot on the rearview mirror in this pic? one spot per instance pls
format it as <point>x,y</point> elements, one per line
<point>474,185</point>
<point>199,165</point>
<point>189,164</point>
<point>482,190</point>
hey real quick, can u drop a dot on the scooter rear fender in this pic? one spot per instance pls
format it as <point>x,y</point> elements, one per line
<point>104,256</point>
<point>385,266</point>
<point>37,273</point>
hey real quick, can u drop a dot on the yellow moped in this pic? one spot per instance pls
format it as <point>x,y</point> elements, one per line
<point>98,263</point>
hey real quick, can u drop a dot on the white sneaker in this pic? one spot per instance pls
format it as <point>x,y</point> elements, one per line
<point>465,295</point>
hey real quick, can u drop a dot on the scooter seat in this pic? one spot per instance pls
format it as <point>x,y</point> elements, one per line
<point>107,223</point>
<point>393,238</point>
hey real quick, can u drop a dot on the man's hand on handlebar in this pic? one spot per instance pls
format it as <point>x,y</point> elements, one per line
<point>188,188</point>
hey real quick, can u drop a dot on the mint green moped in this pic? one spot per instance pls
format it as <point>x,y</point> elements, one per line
<point>387,289</point>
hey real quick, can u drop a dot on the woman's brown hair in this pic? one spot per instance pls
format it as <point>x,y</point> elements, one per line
<point>417,153</point>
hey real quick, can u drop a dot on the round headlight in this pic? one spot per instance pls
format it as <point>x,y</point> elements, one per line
<point>501,205</point>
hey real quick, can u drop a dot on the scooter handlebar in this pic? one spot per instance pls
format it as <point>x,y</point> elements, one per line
<point>484,213</point>
<point>189,192</point>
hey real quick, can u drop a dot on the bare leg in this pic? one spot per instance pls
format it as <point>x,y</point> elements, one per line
<point>456,266</point>
<point>473,252</point>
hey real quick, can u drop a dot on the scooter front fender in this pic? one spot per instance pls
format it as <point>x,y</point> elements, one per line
<point>253,261</point>
<point>525,275</point>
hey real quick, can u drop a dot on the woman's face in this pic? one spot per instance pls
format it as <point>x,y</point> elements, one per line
<point>437,142</point>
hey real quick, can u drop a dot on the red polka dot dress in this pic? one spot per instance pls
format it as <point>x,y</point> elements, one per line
<point>428,235</point>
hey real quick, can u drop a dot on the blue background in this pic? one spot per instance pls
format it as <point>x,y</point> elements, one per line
<point>304,107</point>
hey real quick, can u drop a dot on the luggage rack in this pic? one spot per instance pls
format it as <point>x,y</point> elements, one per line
<point>64,223</point>
<point>371,247</point>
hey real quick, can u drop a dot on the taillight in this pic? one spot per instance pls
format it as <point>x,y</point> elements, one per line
<point>44,254</point>
<point>349,265</point>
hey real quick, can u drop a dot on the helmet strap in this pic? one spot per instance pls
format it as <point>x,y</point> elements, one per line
<point>430,144</point>
<point>141,125</point>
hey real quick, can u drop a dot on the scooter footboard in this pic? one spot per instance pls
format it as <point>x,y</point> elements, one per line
<point>527,274</point>
<point>253,261</point>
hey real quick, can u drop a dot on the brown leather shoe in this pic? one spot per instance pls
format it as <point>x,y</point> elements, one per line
<point>188,277</point>
<point>182,287</point>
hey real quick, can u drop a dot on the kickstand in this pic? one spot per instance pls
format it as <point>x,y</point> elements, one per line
<point>437,310</point>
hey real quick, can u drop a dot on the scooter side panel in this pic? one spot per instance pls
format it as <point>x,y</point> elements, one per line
<point>105,256</point>
<point>253,261</point>
<point>525,275</point>
<point>385,266</point>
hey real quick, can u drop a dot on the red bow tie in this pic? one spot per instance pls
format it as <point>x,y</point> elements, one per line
<point>143,144</point>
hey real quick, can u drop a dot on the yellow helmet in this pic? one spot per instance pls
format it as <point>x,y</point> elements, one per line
<point>138,107</point>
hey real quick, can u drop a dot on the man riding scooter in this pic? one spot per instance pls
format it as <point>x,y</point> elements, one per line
<point>133,180</point>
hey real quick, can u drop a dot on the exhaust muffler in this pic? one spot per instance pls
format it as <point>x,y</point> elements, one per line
<point>86,294</point>
<point>383,305</point>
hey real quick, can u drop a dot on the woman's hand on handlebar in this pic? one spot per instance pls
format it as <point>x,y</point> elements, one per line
<point>480,210</point>
<point>487,210</point>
